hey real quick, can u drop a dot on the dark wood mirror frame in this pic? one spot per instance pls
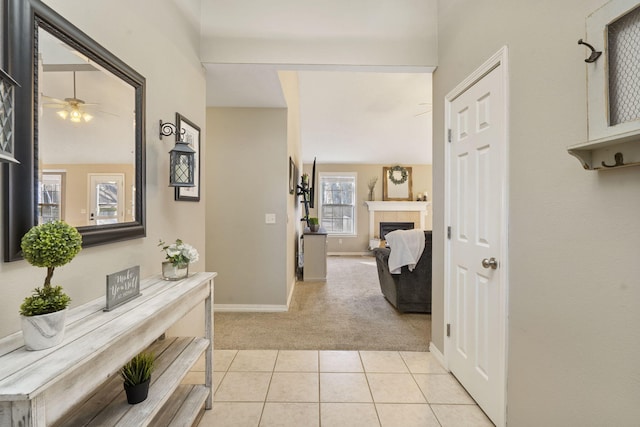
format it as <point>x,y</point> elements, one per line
<point>23,18</point>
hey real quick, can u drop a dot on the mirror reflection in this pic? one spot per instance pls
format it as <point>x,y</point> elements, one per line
<point>86,139</point>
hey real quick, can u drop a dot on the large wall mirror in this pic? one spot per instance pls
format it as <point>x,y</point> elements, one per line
<point>79,132</point>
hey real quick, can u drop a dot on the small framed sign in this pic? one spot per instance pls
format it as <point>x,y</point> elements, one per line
<point>122,287</point>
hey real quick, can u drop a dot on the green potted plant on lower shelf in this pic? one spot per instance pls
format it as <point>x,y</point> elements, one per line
<point>137,377</point>
<point>314,225</point>
<point>50,245</point>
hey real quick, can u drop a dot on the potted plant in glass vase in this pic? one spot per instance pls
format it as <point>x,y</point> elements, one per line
<point>178,256</point>
<point>50,245</point>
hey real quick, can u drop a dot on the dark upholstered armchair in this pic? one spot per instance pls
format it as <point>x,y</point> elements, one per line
<point>409,291</point>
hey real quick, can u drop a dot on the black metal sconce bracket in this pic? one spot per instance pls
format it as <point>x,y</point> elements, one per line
<point>168,129</point>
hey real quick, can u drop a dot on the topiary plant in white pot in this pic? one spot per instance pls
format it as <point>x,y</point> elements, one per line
<point>50,245</point>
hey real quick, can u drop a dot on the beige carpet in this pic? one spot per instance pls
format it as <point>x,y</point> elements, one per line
<point>347,312</point>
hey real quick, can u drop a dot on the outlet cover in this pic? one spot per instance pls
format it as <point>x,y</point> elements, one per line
<point>270,218</point>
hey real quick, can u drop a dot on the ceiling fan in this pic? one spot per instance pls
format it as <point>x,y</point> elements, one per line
<point>70,108</point>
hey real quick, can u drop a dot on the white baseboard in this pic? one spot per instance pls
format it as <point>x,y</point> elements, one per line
<point>438,355</point>
<point>349,253</point>
<point>249,308</point>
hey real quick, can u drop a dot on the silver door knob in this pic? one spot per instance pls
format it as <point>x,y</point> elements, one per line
<point>490,263</point>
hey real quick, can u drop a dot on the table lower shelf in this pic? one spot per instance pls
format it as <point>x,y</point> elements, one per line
<point>169,403</point>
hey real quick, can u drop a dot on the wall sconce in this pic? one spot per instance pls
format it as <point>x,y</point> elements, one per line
<point>7,112</point>
<point>182,159</point>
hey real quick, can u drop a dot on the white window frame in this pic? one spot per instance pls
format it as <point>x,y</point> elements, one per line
<point>353,175</point>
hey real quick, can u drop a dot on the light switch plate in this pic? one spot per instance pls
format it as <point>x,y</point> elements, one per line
<point>270,218</point>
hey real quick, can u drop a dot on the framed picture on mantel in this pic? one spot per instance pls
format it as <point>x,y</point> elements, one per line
<point>397,183</point>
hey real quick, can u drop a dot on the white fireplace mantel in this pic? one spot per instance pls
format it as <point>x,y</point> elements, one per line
<point>397,206</point>
<point>393,206</point>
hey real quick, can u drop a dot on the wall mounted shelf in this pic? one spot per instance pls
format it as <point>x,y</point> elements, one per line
<point>613,112</point>
<point>602,154</point>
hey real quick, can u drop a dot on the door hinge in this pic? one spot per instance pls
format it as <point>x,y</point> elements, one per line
<point>448,329</point>
<point>449,135</point>
<point>449,232</point>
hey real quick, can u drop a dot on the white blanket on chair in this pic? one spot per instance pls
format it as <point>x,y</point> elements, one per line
<point>406,249</point>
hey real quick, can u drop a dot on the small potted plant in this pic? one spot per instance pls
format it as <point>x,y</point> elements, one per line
<point>50,245</point>
<point>178,256</point>
<point>314,225</point>
<point>137,377</point>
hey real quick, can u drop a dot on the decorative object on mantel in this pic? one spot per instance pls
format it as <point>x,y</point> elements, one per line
<point>137,377</point>
<point>372,186</point>
<point>397,183</point>
<point>179,255</point>
<point>422,197</point>
<point>50,245</point>
<point>122,287</point>
<point>7,113</point>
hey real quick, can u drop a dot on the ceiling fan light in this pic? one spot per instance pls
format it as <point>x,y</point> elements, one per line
<point>63,114</point>
<point>76,115</point>
<point>87,117</point>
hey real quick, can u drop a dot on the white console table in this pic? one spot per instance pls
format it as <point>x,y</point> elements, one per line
<point>315,256</point>
<point>56,386</point>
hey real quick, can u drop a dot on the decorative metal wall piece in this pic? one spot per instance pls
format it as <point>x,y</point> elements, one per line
<point>7,102</point>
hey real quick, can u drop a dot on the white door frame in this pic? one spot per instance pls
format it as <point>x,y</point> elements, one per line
<point>121,195</point>
<point>499,59</point>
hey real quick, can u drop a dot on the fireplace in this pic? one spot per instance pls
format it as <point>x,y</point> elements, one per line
<point>387,227</point>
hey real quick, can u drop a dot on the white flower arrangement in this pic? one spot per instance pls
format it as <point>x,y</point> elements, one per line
<point>179,253</point>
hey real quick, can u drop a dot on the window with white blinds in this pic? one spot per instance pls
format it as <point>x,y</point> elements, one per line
<point>337,203</point>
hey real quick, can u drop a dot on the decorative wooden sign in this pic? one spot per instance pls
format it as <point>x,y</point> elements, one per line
<point>122,287</point>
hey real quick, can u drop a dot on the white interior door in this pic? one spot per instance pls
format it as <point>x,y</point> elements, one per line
<point>106,199</point>
<point>477,212</point>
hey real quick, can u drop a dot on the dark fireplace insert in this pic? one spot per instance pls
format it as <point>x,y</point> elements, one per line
<point>388,227</point>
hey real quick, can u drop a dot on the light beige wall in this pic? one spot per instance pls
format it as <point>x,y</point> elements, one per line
<point>421,175</point>
<point>573,293</point>
<point>143,37</point>
<point>248,176</point>
<point>291,90</point>
<point>344,46</point>
<point>76,191</point>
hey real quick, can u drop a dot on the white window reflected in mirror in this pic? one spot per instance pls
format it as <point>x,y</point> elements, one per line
<point>51,194</point>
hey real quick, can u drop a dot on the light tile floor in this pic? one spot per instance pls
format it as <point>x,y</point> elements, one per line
<point>259,388</point>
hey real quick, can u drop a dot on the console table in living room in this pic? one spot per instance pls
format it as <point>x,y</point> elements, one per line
<point>77,382</point>
<point>315,256</point>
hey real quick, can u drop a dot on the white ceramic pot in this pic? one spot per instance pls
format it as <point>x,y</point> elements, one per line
<point>44,330</point>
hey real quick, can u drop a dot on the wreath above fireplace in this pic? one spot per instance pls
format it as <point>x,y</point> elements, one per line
<point>404,174</point>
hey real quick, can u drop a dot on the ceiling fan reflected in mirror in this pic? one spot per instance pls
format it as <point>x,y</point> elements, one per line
<point>70,108</point>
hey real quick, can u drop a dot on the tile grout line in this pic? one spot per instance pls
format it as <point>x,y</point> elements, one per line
<point>366,377</point>
<point>264,403</point>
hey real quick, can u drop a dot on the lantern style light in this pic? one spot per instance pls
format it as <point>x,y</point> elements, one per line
<point>182,158</point>
<point>182,161</point>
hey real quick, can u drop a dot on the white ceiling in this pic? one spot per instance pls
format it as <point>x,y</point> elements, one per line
<point>348,114</point>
